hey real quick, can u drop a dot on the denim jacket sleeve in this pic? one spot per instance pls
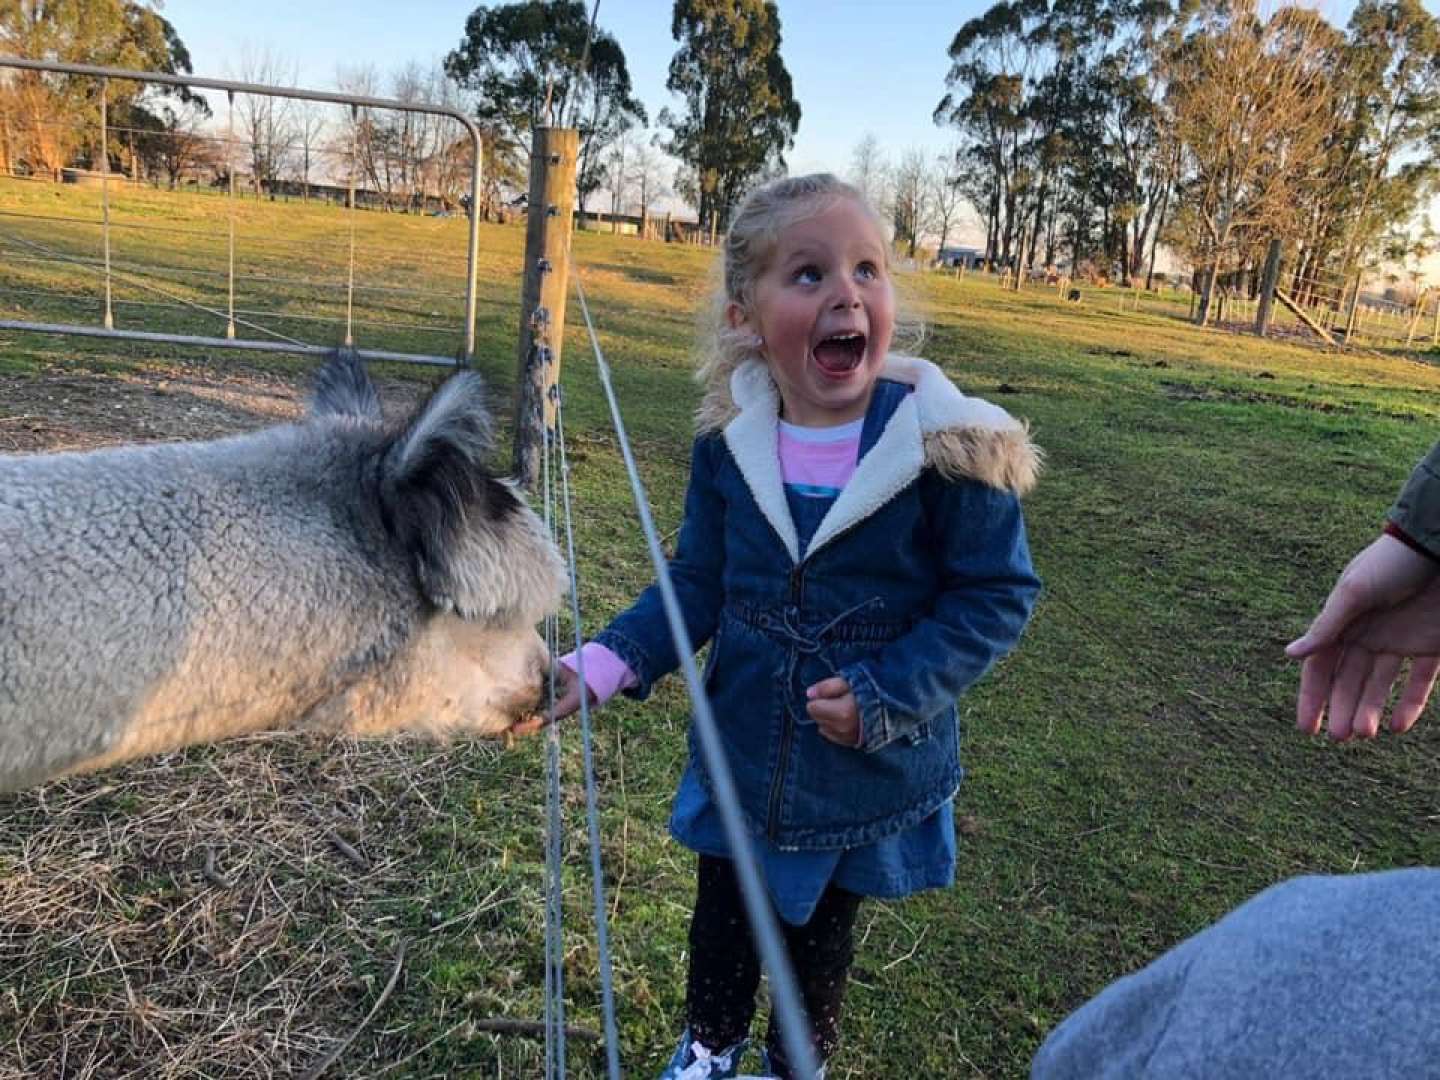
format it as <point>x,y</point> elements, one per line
<point>986,591</point>
<point>640,636</point>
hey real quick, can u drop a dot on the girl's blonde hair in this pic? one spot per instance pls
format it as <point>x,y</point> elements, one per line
<point>750,241</point>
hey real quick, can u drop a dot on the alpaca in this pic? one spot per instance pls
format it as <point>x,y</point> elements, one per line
<point>333,574</point>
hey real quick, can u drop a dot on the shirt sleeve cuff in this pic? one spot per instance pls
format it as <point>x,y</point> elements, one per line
<point>874,717</point>
<point>1391,529</point>
<point>605,673</point>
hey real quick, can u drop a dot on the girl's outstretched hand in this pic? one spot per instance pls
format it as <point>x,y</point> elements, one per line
<point>832,707</point>
<point>567,701</point>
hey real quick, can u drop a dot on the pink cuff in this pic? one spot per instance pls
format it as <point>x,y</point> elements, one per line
<point>605,673</point>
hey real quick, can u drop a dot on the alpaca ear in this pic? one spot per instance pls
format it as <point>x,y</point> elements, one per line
<point>343,388</point>
<point>441,500</point>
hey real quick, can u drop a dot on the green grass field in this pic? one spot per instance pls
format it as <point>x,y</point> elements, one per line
<point>1133,769</point>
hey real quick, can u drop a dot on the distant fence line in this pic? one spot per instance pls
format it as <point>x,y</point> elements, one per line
<point>1340,311</point>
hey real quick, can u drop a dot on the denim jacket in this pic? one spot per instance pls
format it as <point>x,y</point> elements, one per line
<point>914,584</point>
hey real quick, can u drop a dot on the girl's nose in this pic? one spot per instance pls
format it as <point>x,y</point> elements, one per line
<point>847,296</point>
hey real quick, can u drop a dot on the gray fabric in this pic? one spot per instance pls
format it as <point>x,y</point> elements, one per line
<point>1318,978</point>
<point>1417,508</point>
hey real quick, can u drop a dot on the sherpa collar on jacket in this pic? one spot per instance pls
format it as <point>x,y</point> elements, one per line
<point>937,425</point>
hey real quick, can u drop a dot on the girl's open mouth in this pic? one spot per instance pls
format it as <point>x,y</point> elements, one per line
<point>839,354</point>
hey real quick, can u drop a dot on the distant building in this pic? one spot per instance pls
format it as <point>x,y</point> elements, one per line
<point>968,257</point>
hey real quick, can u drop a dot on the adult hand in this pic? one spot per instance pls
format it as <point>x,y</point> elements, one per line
<point>1381,610</point>
<point>832,706</point>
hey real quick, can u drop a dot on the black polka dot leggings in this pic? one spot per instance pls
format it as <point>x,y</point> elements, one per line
<point>725,969</point>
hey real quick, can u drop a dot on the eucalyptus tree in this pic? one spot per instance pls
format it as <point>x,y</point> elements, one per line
<point>1393,62</point>
<point>993,60</point>
<point>740,114</point>
<point>1130,91</point>
<point>533,64</point>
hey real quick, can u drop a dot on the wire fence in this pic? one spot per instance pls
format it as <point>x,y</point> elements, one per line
<point>1327,308</point>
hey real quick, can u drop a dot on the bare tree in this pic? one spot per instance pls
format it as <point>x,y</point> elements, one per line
<point>869,171</point>
<point>447,154</point>
<point>910,199</point>
<point>647,174</point>
<point>7,122</point>
<point>181,147</point>
<point>945,195</point>
<point>310,129</point>
<point>617,175</point>
<point>359,141</point>
<point>267,123</point>
<point>405,137</point>
<point>409,158</point>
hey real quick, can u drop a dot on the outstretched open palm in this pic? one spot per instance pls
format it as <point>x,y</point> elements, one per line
<point>1384,610</point>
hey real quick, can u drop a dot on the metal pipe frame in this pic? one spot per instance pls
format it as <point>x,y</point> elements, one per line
<point>298,349</point>
<point>232,87</point>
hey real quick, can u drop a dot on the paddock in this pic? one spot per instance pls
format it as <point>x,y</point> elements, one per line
<point>245,910</point>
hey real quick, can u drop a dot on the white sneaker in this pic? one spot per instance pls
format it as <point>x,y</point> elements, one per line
<point>693,1060</point>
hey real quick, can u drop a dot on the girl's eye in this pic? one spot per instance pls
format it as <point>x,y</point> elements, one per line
<point>809,274</point>
<point>867,271</point>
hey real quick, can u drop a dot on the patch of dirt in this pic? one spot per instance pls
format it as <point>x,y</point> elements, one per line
<point>1182,391</point>
<point>76,409</point>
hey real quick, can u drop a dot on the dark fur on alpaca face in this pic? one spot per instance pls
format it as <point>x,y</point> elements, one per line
<point>335,574</point>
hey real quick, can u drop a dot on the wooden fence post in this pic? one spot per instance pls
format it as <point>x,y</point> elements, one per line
<point>544,281</point>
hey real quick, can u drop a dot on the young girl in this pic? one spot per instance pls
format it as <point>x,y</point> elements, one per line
<point>854,552</point>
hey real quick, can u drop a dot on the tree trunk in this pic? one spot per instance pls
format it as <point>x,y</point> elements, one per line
<point>1155,237</point>
<point>1267,288</point>
<point>1105,235</point>
<point>1207,291</point>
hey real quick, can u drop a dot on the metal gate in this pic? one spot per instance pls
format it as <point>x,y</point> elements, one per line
<point>254,334</point>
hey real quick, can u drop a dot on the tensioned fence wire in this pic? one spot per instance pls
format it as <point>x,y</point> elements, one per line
<point>555,485</point>
<point>785,996</point>
<point>554,828</point>
<point>143,276</point>
<point>111,272</point>
<point>136,273</point>
<point>592,812</point>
